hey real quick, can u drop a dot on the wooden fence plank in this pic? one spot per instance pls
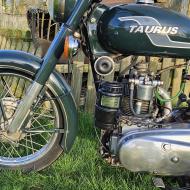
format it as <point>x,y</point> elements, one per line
<point>176,83</point>
<point>155,64</point>
<point>166,76</point>
<point>49,29</point>
<point>1,38</point>
<point>76,83</point>
<point>3,42</point>
<point>38,23</point>
<point>14,85</point>
<point>13,44</point>
<point>19,44</point>
<point>187,87</point>
<point>25,46</point>
<point>124,64</point>
<point>42,25</point>
<point>20,88</point>
<point>91,93</point>
<point>32,48</point>
<point>56,28</point>
<point>8,43</point>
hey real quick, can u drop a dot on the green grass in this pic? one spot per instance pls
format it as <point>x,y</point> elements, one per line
<point>81,169</point>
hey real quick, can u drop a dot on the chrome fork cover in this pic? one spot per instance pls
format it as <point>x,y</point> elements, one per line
<point>159,151</point>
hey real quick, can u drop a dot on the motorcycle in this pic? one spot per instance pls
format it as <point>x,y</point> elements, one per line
<point>140,128</point>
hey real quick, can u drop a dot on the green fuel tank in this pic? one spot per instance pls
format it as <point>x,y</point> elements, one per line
<point>144,29</point>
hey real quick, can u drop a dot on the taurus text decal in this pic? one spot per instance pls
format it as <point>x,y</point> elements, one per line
<point>157,34</point>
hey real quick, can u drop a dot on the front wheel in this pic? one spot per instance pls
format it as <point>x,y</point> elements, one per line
<point>38,144</point>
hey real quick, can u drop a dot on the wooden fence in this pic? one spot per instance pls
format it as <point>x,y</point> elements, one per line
<point>81,79</point>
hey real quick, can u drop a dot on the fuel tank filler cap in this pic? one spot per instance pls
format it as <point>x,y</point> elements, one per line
<point>145,1</point>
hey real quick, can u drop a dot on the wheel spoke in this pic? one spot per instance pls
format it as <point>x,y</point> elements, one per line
<point>44,115</point>
<point>4,90</point>
<point>26,139</point>
<point>40,131</point>
<point>7,149</point>
<point>17,143</point>
<point>10,153</point>
<point>13,148</point>
<point>7,87</point>
<point>31,142</point>
<point>33,149</point>
<point>44,138</point>
<point>41,125</point>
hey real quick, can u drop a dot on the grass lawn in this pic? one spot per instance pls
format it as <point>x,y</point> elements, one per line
<point>82,169</point>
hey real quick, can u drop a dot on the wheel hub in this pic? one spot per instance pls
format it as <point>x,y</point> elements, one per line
<point>11,138</point>
<point>8,108</point>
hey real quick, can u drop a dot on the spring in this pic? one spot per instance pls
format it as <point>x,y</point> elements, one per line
<point>145,108</point>
<point>125,106</point>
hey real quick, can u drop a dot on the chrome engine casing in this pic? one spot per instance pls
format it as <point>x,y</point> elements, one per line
<point>163,152</point>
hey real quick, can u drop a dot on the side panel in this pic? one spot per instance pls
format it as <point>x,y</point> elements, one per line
<point>164,152</point>
<point>145,30</point>
<point>30,64</point>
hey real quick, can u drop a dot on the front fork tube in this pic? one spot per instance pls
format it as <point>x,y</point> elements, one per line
<point>42,76</point>
<point>48,65</point>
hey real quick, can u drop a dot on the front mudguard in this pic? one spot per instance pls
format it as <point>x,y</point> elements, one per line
<point>29,64</point>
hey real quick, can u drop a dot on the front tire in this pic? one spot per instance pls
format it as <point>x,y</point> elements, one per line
<point>39,143</point>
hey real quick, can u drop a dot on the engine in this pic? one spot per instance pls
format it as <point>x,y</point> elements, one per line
<point>140,130</point>
<point>128,104</point>
<point>133,97</point>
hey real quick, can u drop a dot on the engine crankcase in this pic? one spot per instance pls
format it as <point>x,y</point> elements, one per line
<point>158,151</point>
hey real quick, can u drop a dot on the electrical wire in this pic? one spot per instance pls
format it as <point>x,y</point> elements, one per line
<point>164,107</point>
<point>169,68</point>
<point>157,94</point>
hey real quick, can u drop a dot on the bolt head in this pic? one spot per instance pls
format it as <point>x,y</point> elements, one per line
<point>175,159</point>
<point>93,20</point>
